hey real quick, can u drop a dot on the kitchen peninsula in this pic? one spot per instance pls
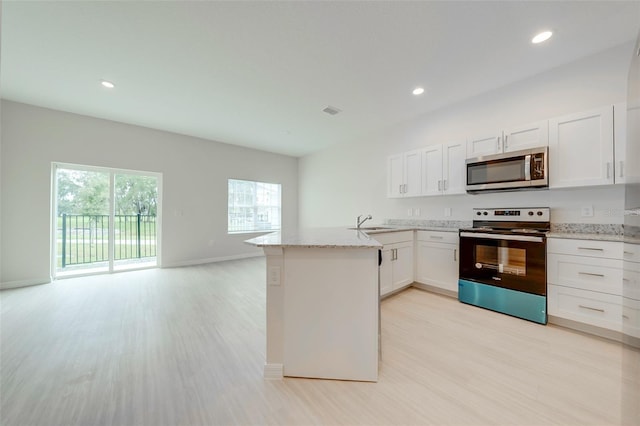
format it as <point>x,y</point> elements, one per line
<point>322,304</point>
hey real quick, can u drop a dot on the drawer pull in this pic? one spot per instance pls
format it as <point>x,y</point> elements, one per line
<point>590,248</point>
<point>591,274</point>
<point>625,316</point>
<point>435,237</point>
<point>628,252</point>
<point>626,279</point>
<point>590,308</point>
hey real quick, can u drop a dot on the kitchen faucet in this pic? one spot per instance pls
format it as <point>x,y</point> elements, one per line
<point>360,222</point>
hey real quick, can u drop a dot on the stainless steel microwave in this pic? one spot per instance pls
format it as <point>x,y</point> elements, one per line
<point>526,169</point>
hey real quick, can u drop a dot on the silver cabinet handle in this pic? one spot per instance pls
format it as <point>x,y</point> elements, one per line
<point>625,316</point>
<point>591,274</point>
<point>444,185</point>
<point>400,189</point>
<point>435,237</point>
<point>405,188</point>
<point>621,168</point>
<point>590,248</point>
<point>498,144</point>
<point>628,252</point>
<point>439,185</point>
<point>455,255</point>
<point>506,142</point>
<point>590,308</point>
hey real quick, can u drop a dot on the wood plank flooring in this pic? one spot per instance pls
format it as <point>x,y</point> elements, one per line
<point>186,346</point>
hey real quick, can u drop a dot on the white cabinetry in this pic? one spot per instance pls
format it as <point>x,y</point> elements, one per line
<point>581,149</point>
<point>396,269</point>
<point>515,138</point>
<point>404,174</point>
<point>631,290</point>
<point>437,260</point>
<point>585,281</point>
<point>443,169</point>
<point>620,142</point>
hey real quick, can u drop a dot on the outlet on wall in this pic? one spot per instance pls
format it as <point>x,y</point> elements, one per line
<point>587,211</point>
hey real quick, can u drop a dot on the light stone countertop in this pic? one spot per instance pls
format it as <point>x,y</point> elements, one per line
<point>317,238</point>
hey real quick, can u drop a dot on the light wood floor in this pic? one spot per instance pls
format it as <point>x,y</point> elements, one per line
<point>186,346</point>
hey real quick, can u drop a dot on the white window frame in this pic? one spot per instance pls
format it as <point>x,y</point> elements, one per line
<point>255,205</point>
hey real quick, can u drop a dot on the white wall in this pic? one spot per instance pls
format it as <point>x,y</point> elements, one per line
<point>341,182</point>
<point>194,198</point>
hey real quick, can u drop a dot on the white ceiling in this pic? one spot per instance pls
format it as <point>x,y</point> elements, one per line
<point>258,74</point>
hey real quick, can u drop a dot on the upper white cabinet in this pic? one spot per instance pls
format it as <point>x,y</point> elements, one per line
<point>443,169</point>
<point>531,135</point>
<point>581,149</point>
<point>620,143</point>
<point>515,138</point>
<point>404,174</point>
<point>484,145</point>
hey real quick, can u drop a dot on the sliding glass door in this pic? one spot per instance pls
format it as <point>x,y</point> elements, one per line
<point>104,220</point>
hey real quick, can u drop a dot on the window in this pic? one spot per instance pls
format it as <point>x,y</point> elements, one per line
<point>254,206</point>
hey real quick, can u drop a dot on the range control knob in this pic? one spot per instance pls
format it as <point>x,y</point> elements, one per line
<point>539,213</point>
<point>530,213</point>
<point>485,213</point>
<point>478,213</point>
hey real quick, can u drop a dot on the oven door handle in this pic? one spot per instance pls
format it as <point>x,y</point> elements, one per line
<point>527,238</point>
<point>527,167</point>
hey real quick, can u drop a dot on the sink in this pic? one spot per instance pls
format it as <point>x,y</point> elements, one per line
<point>370,228</point>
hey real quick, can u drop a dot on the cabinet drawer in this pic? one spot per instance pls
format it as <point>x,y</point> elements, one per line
<point>631,281</point>
<point>601,310</point>
<point>385,238</point>
<point>631,317</point>
<point>602,275</point>
<point>438,237</point>
<point>590,248</point>
<point>631,252</point>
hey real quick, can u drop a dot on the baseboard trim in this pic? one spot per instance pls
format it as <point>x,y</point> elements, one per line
<point>24,283</point>
<point>593,330</point>
<point>210,260</point>
<point>437,290</point>
<point>273,371</point>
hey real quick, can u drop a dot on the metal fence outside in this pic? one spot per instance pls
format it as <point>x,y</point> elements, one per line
<point>84,239</point>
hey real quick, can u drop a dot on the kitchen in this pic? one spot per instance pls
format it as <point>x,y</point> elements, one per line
<point>351,178</point>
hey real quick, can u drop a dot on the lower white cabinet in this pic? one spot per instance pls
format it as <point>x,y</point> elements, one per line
<point>437,259</point>
<point>585,282</point>
<point>396,269</point>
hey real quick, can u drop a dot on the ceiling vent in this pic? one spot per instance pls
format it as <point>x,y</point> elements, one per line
<point>331,110</point>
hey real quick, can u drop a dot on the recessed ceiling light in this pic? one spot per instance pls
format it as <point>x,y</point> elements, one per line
<point>418,91</point>
<point>107,84</point>
<point>543,36</point>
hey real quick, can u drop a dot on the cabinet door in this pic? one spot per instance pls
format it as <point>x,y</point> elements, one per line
<point>432,170</point>
<point>620,142</point>
<point>403,265</point>
<point>438,265</point>
<point>386,272</point>
<point>413,173</point>
<point>581,149</point>
<point>454,173</point>
<point>395,176</point>
<point>532,135</point>
<point>484,145</point>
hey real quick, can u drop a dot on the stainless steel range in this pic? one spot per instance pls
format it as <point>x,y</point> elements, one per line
<point>503,262</point>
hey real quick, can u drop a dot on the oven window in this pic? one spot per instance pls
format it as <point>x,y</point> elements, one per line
<point>505,260</point>
<point>496,171</point>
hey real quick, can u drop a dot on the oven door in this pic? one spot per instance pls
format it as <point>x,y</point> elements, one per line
<point>516,262</point>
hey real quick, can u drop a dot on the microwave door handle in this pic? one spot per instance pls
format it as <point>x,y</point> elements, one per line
<point>527,167</point>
